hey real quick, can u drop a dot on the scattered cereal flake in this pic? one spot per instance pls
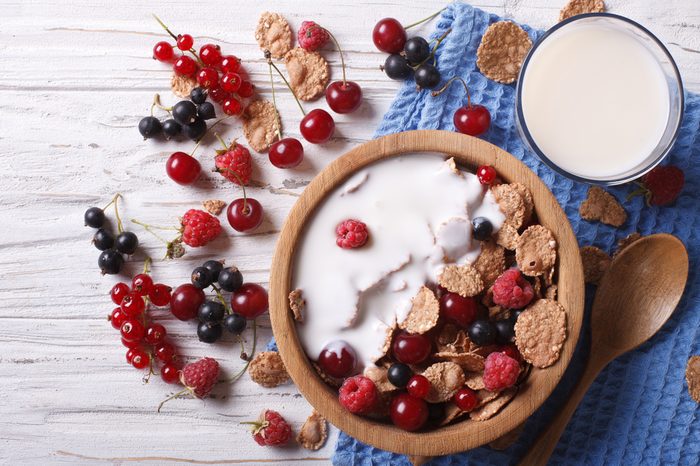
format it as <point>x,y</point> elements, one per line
<point>297,304</point>
<point>551,292</point>
<point>528,201</point>
<point>538,287</point>
<point>308,73</point>
<point>491,408</point>
<point>601,205</point>
<point>333,382</point>
<point>267,369</point>
<point>507,237</point>
<point>469,362</point>
<point>452,412</point>
<point>474,380</point>
<point>540,332</point>
<point>692,377</point>
<point>579,7</point>
<point>625,242</point>
<point>461,279</point>
<point>424,313</point>
<point>485,396</point>
<point>314,432</point>
<point>384,350</point>
<point>445,379</point>
<point>260,124</point>
<point>511,203</point>
<point>378,375</point>
<point>483,351</point>
<point>595,263</point>
<point>274,34</point>
<point>507,439</point>
<point>491,262</point>
<point>182,85</point>
<point>536,252</point>
<point>502,51</point>
<point>214,206</point>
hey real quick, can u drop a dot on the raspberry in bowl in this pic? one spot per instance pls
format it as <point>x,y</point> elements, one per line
<point>384,284</point>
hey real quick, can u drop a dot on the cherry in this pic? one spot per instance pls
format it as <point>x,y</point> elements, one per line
<point>250,300</point>
<point>418,386</point>
<point>210,54</point>
<point>411,348</point>
<point>208,77</point>
<point>337,359</point>
<point>160,294</point>
<point>169,373</point>
<point>132,330</point>
<point>317,126</point>
<point>155,334</point>
<point>486,174</point>
<point>389,35</point>
<point>286,153</point>
<point>229,64</point>
<point>185,301</point>
<point>165,352</point>
<point>182,168</point>
<point>142,284</point>
<point>117,318</point>
<point>230,82</point>
<point>118,292</point>
<point>185,66</point>
<point>140,359</point>
<point>244,214</point>
<point>133,305</point>
<point>458,310</point>
<point>466,399</point>
<point>344,97</point>
<point>472,119</point>
<point>163,51</point>
<point>184,42</point>
<point>408,412</point>
<point>232,106</point>
<point>247,89</point>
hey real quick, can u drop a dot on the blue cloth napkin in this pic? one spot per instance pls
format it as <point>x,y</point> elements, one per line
<point>638,410</point>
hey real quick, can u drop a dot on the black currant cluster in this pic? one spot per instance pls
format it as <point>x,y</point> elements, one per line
<point>214,315</point>
<point>188,118</point>
<point>414,61</point>
<point>113,248</point>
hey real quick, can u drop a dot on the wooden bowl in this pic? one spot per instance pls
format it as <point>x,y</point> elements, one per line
<point>469,152</point>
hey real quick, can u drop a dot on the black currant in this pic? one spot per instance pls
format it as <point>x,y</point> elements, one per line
<point>184,112</point>
<point>127,242</point>
<point>427,76</point>
<point>482,332</point>
<point>516,313</point>
<point>436,413</point>
<point>206,111</point>
<point>481,228</point>
<point>198,95</point>
<point>201,278</point>
<point>94,217</point>
<point>214,267</point>
<point>208,332</point>
<point>150,127</point>
<point>230,279</point>
<point>103,239</point>
<point>110,262</point>
<point>235,323</point>
<point>399,374</point>
<point>505,330</point>
<point>417,50</point>
<point>397,67</point>
<point>211,311</point>
<point>196,130</point>
<point>171,128</point>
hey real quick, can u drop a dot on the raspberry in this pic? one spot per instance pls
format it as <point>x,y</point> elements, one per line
<point>271,429</point>
<point>351,234</point>
<point>662,185</point>
<point>312,36</point>
<point>199,377</point>
<point>500,371</point>
<point>358,394</point>
<point>511,290</point>
<point>234,164</point>
<point>199,227</point>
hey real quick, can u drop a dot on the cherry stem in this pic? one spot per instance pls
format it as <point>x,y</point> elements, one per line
<point>278,123</point>
<point>447,84</point>
<point>207,132</point>
<point>240,183</point>
<point>173,396</point>
<point>269,60</point>
<point>221,140</point>
<point>340,52</point>
<point>428,18</point>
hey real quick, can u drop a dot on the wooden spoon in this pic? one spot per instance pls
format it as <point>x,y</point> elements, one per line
<point>635,298</point>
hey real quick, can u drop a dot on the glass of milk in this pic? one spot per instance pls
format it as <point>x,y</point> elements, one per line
<point>599,99</point>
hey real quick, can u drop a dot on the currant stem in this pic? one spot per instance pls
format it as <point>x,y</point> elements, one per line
<point>120,226</point>
<point>238,374</point>
<point>156,103</point>
<point>424,19</point>
<point>192,51</point>
<point>447,84</point>
<point>278,123</point>
<point>147,265</point>
<point>269,60</point>
<point>340,52</point>
<point>221,297</point>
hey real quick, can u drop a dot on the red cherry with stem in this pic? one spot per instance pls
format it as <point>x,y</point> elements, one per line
<point>140,359</point>
<point>408,412</point>
<point>337,359</point>
<point>133,305</point>
<point>249,300</point>
<point>389,35</point>
<point>247,89</point>
<point>163,51</point>
<point>208,77</point>
<point>142,284</point>
<point>185,301</point>
<point>472,119</point>
<point>185,66</point>
<point>118,292</point>
<point>165,352</point>
<point>344,97</point>
<point>466,399</point>
<point>169,373</point>
<point>458,310</point>
<point>217,94</point>
<point>317,126</point>
<point>182,168</point>
<point>160,295</point>
<point>229,64</point>
<point>184,42</point>
<point>155,334</point>
<point>418,386</point>
<point>230,82</point>
<point>486,174</point>
<point>411,348</point>
<point>232,106</point>
<point>117,318</point>
<point>132,330</point>
<point>244,214</point>
<point>286,153</point>
<point>210,54</point>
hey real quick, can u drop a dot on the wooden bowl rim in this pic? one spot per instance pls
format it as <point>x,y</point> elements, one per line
<point>461,436</point>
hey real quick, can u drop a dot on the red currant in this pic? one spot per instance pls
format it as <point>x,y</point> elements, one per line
<point>169,373</point>
<point>132,330</point>
<point>118,292</point>
<point>472,120</point>
<point>131,344</point>
<point>286,153</point>
<point>458,310</point>
<point>317,126</point>
<point>486,174</point>
<point>117,318</point>
<point>208,77</point>
<point>230,82</point>
<point>466,399</point>
<point>512,352</point>
<point>133,305</point>
<point>160,294</point>
<point>155,334</point>
<point>408,412</point>
<point>185,301</point>
<point>142,284</point>
<point>210,54</point>
<point>140,359</point>
<point>130,355</point>
<point>247,89</point>
<point>389,35</point>
<point>217,94</point>
<point>229,64</point>
<point>184,42</point>
<point>185,66</point>
<point>344,97</point>
<point>182,168</point>
<point>337,359</point>
<point>244,214</point>
<point>232,106</point>
<point>418,386</point>
<point>163,51</point>
<point>411,348</point>
<point>249,300</point>
<point>165,352</point>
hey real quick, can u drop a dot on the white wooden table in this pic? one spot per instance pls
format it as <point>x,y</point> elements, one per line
<point>74,82</point>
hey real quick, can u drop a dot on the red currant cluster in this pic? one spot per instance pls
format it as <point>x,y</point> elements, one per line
<point>113,249</point>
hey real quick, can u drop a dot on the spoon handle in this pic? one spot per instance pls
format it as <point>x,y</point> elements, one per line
<point>542,449</point>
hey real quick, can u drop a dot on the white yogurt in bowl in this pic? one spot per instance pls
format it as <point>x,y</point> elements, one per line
<point>418,212</point>
<point>599,99</point>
